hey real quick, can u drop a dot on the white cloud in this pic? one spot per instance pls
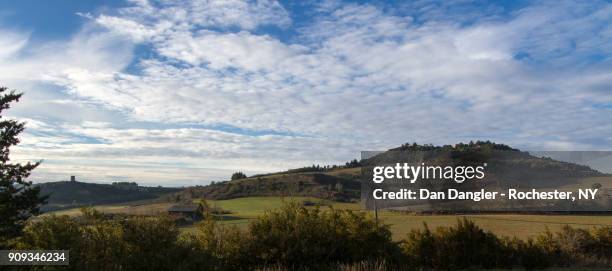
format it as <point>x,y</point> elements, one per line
<point>11,43</point>
<point>149,19</point>
<point>171,155</point>
<point>233,50</point>
<point>356,78</point>
<point>89,49</point>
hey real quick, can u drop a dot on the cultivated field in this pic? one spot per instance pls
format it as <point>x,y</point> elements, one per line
<point>243,210</point>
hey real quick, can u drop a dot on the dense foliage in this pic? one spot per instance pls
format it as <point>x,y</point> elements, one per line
<point>478,145</point>
<point>18,198</point>
<point>298,236</point>
<point>316,168</point>
<point>238,175</point>
<point>319,168</point>
<point>316,185</point>
<point>295,237</point>
<point>467,246</point>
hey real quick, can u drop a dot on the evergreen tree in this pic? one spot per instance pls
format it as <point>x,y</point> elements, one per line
<point>18,198</point>
<point>238,175</point>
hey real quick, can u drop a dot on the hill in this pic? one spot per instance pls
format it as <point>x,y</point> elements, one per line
<point>506,166</point>
<point>501,168</point>
<point>75,194</point>
<point>341,183</point>
<point>338,184</point>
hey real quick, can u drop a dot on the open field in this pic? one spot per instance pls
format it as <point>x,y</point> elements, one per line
<point>512,225</point>
<point>243,210</point>
<point>252,207</point>
<point>521,226</point>
<point>123,208</point>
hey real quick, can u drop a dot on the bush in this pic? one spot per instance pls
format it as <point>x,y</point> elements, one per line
<point>602,247</point>
<point>526,254</point>
<point>296,236</point>
<point>96,243</point>
<point>578,246</point>
<point>459,247</point>
<point>150,242</point>
<point>467,246</point>
<point>224,247</point>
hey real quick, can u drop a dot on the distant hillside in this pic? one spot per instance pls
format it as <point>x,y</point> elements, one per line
<point>74,194</point>
<point>338,184</point>
<point>342,183</point>
<point>506,166</point>
<point>503,168</point>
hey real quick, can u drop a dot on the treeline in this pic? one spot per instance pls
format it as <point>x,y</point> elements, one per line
<point>297,238</point>
<point>315,168</point>
<point>322,168</point>
<point>472,145</point>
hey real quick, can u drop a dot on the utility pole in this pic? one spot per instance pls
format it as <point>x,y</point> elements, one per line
<point>376,213</point>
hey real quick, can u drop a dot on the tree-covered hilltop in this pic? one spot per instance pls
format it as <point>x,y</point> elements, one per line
<point>316,168</point>
<point>341,182</point>
<point>67,194</point>
<point>331,185</point>
<point>472,145</point>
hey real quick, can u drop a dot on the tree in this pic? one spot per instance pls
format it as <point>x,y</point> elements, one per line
<point>238,175</point>
<point>18,198</point>
<point>339,187</point>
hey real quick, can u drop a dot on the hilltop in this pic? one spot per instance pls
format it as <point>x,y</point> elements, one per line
<point>337,183</point>
<point>341,183</point>
<point>70,194</point>
<point>506,165</point>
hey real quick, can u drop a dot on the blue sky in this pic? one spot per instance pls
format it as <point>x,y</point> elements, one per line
<point>186,92</point>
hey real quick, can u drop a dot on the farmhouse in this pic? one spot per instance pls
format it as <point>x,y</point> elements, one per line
<point>190,211</point>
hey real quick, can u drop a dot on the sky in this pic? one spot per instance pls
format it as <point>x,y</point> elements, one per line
<point>176,93</point>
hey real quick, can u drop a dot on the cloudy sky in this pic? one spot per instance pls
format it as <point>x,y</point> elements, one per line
<point>186,92</point>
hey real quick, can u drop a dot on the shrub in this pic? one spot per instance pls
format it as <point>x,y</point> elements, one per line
<point>578,246</point>
<point>297,236</point>
<point>467,246</point>
<point>419,247</point>
<point>150,242</point>
<point>103,247</point>
<point>97,243</point>
<point>459,247</point>
<point>602,247</point>
<point>53,233</point>
<point>526,254</point>
<point>223,246</point>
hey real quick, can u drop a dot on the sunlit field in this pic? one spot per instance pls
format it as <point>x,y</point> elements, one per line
<point>243,210</point>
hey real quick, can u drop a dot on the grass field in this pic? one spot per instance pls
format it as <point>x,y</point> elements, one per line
<point>243,210</point>
<point>521,226</point>
<point>124,208</point>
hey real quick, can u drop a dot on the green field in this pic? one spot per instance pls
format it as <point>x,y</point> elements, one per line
<point>254,206</point>
<point>522,226</point>
<point>243,210</point>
